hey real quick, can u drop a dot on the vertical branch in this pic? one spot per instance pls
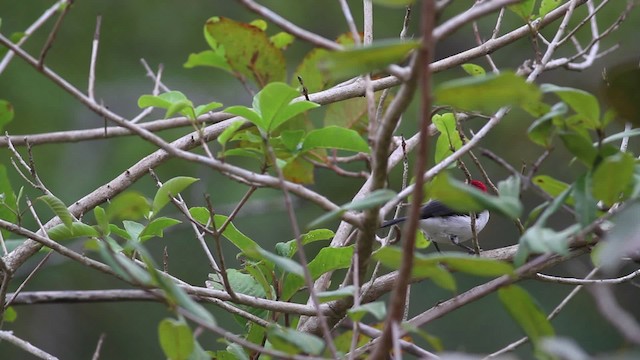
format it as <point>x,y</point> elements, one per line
<point>399,294</point>
<point>94,57</point>
<point>301,253</point>
<point>52,35</point>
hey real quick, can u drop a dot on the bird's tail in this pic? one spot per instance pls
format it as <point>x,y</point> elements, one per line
<point>393,222</point>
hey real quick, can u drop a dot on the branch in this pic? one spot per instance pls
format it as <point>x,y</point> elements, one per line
<point>290,27</point>
<point>25,345</point>
<point>474,13</point>
<point>399,295</point>
<point>31,29</point>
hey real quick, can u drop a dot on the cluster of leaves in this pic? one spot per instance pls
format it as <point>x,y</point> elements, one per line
<point>248,53</point>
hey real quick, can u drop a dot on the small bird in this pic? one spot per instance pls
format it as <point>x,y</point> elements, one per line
<point>442,224</point>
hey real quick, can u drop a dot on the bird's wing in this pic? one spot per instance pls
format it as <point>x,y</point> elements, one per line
<point>435,208</point>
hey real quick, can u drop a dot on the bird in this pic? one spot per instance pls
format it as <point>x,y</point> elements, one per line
<point>441,224</point>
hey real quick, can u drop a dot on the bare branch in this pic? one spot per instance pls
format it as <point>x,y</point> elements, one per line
<point>31,29</point>
<point>94,58</point>
<point>26,346</point>
<point>52,35</point>
<point>290,27</point>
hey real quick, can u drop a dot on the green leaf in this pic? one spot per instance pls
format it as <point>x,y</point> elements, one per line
<point>172,293</point>
<point>554,206</point>
<point>377,309</point>
<point>552,186</point>
<point>125,267</point>
<point>282,262</point>
<point>62,232</point>
<point>156,227</point>
<point>260,24</point>
<point>130,205</point>
<point>292,341</point>
<point>242,283</point>
<point>173,101</point>
<point>313,79</point>
<point>328,259</point>
<point>612,177</point>
<point>272,107</point>
<point>119,232</point>
<point>334,137</point>
<point>6,113</point>
<point>350,114</point>
<point>524,9</point>
<point>464,198</point>
<point>213,58</point>
<point>289,248</point>
<point>247,49</point>
<point>10,314</point>
<point>472,265</point>
<point>102,220</point>
<point>59,208</point>
<point>623,91</point>
<point>247,113</point>
<point>546,6</point>
<point>282,40</point>
<point>170,189</point>
<point>580,147</point>
<point>337,294</point>
<point>226,135</point>
<point>275,106</point>
<point>176,339</point>
<point>473,69</point>
<point>298,170</point>
<point>133,229</point>
<point>623,238</point>
<point>292,139</point>
<point>376,198</point>
<point>364,59</point>
<point>449,138</point>
<point>583,103</point>
<point>235,352</point>
<point>8,202</point>
<point>237,238</point>
<point>541,130</point>
<point>391,256</point>
<point>205,108</point>
<point>585,204</point>
<point>526,313</point>
<point>542,240</point>
<point>487,93</point>
<point>421,240</point>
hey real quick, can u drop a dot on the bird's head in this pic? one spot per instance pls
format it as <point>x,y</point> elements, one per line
<point>479,185</point>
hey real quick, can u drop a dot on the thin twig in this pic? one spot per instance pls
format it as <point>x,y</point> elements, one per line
<point>52,35</point>
<point>216,238</point>
<point>46,15</point>
<point>242,341</point>
<point>552,315</point>
<point>25,345</point>
<point>96,353</point>
<point>290,27</point>
<point>94,58</point>
<point>586,281</point>
<point>346,12</point>
<point>398,299</point>
<point>301,253</point>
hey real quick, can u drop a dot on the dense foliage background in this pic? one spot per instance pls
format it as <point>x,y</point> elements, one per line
<point>166,33</point>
